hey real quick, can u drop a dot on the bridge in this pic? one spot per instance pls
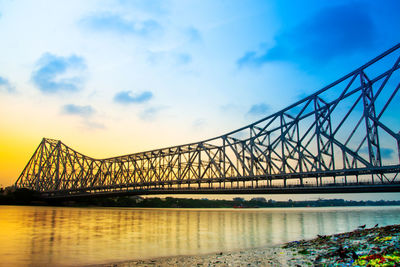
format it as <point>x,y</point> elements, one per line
<point>343,138</point>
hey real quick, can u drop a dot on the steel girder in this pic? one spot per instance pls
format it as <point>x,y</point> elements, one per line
<point>347,132</point>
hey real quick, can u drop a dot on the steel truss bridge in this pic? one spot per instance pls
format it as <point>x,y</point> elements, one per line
<point>343,138</point>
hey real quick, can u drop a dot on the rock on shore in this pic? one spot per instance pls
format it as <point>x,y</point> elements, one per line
<point>362,247</point>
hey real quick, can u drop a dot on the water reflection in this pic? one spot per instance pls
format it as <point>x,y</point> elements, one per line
<point>53,236</point>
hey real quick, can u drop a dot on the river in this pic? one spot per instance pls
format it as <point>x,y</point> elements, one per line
<point>63,236</point>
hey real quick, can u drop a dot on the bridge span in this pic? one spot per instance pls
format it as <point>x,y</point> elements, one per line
<point>343,138</point>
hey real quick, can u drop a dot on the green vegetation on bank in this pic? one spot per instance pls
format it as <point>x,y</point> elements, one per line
<point>170,202</point>
<point>10,196</point>
<point>28,197</point>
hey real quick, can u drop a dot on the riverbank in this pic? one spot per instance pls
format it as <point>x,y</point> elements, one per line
<point>28,197</point>
<point>275,256</point>
<point>376,245</point>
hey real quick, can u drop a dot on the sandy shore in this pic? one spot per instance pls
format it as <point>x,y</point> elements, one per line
<point>275,256</point>
<point>357,248</point>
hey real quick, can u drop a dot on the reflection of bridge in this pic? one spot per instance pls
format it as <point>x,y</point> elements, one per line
<point>343,138</point>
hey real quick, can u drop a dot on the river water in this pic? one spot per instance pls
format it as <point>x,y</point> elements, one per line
<point>59,236</point>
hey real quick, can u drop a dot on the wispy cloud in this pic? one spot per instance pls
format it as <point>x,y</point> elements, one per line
<point>193,34</point>
<point>119,24</point>
<point>199,124</point>
<point>183,58</point>
<point>157,7</point>
<point>82,111</point>
<point>169,58</point>
<point>93,125</point>
<point>386,153</point>
<point>150,113</point>
<point>6,86</point>
<point>258,109</point>
<point>56,73</point>
<point>331,32</point>
<point>86,113</point>
<point>127,97</point>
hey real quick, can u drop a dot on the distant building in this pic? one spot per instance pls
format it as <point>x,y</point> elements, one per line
<point>239,199</point>
<point>137,199</point>
<point>259,199</point>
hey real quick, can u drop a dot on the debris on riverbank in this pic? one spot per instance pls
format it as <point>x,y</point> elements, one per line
<point>377,246</point>
<point>361,247</point>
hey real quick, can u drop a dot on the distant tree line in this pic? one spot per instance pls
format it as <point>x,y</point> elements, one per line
<point>29,197</point>
<point>12,196</point>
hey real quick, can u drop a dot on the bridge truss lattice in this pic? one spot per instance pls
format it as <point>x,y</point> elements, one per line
<point>344,134</point>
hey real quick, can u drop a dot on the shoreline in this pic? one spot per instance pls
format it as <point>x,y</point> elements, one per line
<point>360,246</point>
<point>262,256</point>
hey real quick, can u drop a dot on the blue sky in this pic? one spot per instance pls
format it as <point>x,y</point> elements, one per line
<point>117,77</point>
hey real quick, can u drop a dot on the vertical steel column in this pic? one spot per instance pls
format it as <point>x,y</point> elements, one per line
<point>370,126</point>
<point>283,166</point>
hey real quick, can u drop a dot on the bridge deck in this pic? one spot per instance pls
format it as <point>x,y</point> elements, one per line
<point>327,189</point>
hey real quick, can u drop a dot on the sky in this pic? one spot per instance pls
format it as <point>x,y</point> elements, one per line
<point>116,77</point>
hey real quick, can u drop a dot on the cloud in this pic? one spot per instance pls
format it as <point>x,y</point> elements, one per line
<point>168,58</point>
<point>183,59</point>
<point>157,7</point>
<point>331,32</point>
<point>6,86</point>
<point>199,124</point>
<point>150,113</point>
<point>386,153</point>
<point>193,34</point>
<point>55,73</point>
<point>121,25</point>
<point>258,109</point>
<point>82,111</point>
<point>93,125</point>
<point>126,97</point>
